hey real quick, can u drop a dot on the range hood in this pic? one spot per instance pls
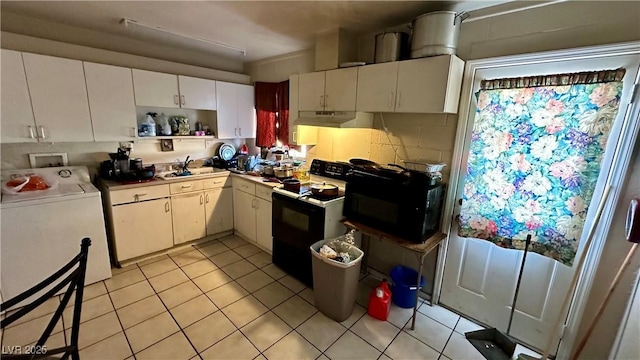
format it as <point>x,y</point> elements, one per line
<point>337,119</point>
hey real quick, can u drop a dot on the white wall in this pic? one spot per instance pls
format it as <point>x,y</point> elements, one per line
<point>279,68</point>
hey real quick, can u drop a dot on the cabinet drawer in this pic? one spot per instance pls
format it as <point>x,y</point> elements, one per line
<point>264,192</point>
<point>244,185</point>
<point>138,194</point>
<point>186,186</point>
<point>217,182</point>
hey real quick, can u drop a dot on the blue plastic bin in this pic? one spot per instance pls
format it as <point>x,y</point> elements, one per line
<point>403,293</point>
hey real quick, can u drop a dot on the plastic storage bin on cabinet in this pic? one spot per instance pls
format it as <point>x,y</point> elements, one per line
<point>335,284</point>
<point>403,293</point>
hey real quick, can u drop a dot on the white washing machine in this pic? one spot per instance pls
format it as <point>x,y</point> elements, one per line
<point>41,230</point>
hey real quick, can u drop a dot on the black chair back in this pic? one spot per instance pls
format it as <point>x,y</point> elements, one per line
<point>70,275</point>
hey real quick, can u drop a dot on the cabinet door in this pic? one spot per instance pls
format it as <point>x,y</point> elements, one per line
<point>263,224</point>
<point>377,87</point>
<point>245,96</point>
<point>17,116</point>
<point>244,214</point>
<point>219,210</point>
<point>293,108</point>
<point>311,91</point>
<point>340,89</point>
<point>142,228</point>
<point>155,89</point>
<point>197,93</point>
<point>188,217</point>
<point>422,85</point>
<point>59,98</point>
<point>112,103</point>
<point>227,105</point>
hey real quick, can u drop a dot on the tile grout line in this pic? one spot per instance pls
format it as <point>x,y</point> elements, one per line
<point>120,321</point>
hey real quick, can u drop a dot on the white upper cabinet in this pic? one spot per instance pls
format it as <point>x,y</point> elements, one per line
<point>156,89</point>
<point>377,87</point>
<point>59,98</point>
<point>333,90</point>
<point>236,110</point>
<point>340,89</point>
<point>429,85</point>
<point>196,93</point>
<point>111,101</point>
<point>18,124</point>
<point>311,91</point>
<point>298,134</point>
<point>246,111</point>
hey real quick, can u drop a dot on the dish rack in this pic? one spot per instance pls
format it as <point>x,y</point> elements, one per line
<point>432,168</point>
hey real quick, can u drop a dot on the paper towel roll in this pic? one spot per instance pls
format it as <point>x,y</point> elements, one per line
<point>633,221</point>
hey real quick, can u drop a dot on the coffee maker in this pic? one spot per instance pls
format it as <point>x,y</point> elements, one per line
<point>117,168</point>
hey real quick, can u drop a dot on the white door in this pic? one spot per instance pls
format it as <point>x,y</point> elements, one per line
<point>219,210</point>
<point>142,228</point>
<point>155,89</point>
<point>422,85</point>
<point>111,101</point>
<point>377,87</point>
<point>340,89</point>
<point>196,93</point>
<point>188,217</point>
<point>59,98</point>
<point>244,214</point>
<point>246,111</point>
<point>311,91</point>
<point>18,125</point>
<point>479,277</point>
<point>263,224</point>
<point>227,105</point>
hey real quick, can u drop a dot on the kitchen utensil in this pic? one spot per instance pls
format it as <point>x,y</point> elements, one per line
<point>135,164</point>
<point>267,170</point>
<point>324,190</point>
<point>283,172</point>
<point>292,185</point>
<point>226,151</point>
<point>436,33</point>
<point>146,173</point>
<point>391,46</point>
<point>244,162</point>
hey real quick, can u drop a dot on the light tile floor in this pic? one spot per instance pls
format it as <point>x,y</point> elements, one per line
<point>225,300</point>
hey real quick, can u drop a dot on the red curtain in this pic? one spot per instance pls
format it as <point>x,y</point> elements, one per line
<point>272,112</point>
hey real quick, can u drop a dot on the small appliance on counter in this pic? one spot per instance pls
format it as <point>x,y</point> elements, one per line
<point>122,168</point>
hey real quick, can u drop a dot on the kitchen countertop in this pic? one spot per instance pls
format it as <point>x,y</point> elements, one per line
<point>257,180</point>
<point>115,185</point>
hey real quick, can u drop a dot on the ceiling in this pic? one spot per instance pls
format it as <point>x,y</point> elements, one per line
<point>263,28</point>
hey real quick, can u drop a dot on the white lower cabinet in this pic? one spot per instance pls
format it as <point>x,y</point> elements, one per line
<point>218,210</point>
<point>252,212</point>
<point>244,214</point>
<point>188,216</point>
<point>141,228</point>
<point>263,224</point>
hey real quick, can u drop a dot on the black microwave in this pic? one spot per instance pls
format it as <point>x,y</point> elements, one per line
<point>407,205</point>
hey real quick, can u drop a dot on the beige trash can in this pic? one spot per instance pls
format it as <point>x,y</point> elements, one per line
<point>335,284</point>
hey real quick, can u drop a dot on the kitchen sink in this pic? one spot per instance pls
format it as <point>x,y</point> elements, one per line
<point>196,172</point>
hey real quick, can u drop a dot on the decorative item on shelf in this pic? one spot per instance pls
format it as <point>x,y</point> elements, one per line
<point>180,125</point>
<point>166,144</point>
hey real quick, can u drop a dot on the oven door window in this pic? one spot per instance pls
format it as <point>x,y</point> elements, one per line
<point>296,222</point>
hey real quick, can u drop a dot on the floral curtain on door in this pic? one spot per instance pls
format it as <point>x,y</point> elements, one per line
<point>272,113</point>
<point>534,160</point>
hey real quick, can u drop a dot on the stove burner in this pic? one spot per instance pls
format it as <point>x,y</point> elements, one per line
<point>305,192</point>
